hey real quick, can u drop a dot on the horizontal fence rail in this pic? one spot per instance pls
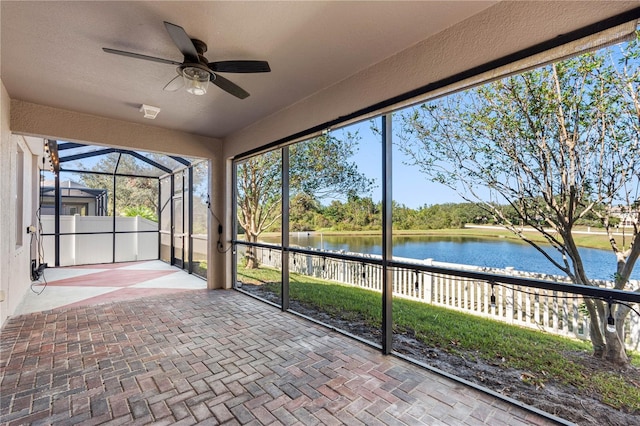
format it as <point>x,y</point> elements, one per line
<point>544,302</point>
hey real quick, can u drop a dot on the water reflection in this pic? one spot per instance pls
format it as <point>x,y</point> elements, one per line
<point>495,253</point>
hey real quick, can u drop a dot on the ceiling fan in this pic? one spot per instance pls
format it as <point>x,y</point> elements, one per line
<point>195,72</point>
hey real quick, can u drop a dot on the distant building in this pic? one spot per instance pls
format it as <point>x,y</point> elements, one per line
<point>627,217</point>
<point>76,199</point>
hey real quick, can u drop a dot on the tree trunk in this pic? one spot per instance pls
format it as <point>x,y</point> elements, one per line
<point>614,350</point>
<point>596,316</point>
<point>607,345</point>
<point>250,253</point>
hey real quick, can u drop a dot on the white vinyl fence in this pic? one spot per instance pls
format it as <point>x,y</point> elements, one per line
<point>550,311</point>
<point>83,249</point>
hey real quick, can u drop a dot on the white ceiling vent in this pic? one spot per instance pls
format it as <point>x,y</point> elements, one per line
<point>149,111</point>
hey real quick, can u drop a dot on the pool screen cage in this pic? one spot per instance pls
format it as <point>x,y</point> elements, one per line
<point>106,205</point>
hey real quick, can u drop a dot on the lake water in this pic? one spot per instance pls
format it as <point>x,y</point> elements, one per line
<point>599,264</point>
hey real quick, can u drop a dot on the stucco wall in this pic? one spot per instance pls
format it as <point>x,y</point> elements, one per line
<point>48,122</point>
<point>5,188</point>
<point>15,275</point>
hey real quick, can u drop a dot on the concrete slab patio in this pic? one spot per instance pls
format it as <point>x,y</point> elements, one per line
<point>94,284</point>
<point>213,357</point>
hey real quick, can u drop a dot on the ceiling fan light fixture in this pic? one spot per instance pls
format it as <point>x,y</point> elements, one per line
<point>196,80</point>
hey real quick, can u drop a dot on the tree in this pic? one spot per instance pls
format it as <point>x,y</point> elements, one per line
<point>319,167</point>
<point>357,214</point>
<point>557,145</point>
<point>142,211</point>
<point>130,192</point>
<point>304,213</point>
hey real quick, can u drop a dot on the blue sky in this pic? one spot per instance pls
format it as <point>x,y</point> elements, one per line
<point>410,187</point>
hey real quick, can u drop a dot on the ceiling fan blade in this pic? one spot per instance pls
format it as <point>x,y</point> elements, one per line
<point>229,87</point>
<point>240,66</point>
<point>176,83</point>
<point>139,56</point>
<point>181,40</point>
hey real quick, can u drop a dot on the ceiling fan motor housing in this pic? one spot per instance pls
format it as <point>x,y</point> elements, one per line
<point>201,46</point>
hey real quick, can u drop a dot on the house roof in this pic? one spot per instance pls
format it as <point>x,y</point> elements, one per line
<point>70,189</point>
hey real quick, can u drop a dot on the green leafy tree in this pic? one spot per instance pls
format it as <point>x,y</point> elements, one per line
<point>141,211</point>
<point>319,167</point>
<point>335,213</point>
<point>403,217</point>
<point>304,213</point>
<point>360,213</point>
<point>558,145</point>
<point>138,196</point>
<point>131,192</point>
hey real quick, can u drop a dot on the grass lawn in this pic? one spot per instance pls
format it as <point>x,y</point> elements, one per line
<point>542,355</point>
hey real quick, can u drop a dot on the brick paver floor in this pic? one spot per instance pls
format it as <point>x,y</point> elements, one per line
<point>217,357</point>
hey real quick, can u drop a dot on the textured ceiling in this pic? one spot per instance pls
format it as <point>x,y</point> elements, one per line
<point>51,53</point>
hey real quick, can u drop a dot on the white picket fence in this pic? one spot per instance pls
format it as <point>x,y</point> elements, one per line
<point>550,311</point>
